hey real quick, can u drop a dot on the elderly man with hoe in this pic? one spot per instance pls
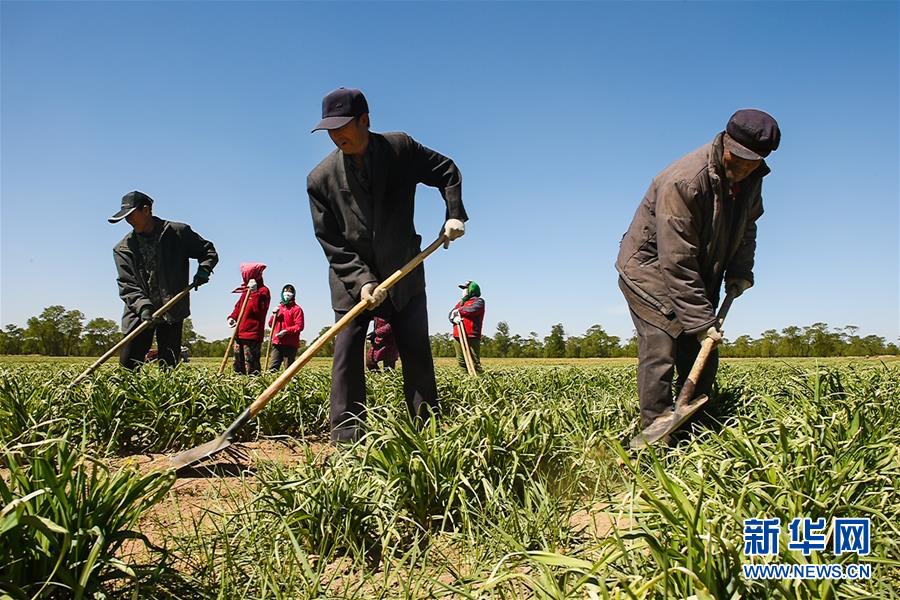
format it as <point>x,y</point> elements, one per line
<point>152,264</point>
<point>695,227</point>
<point>362,199</point>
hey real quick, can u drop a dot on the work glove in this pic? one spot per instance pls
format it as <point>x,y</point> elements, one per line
<point>201,277</point>
<point>737,286</point>
<point>275,311</point>
<point>147,315</point>
<point>231,322</point>
<point>712,332</point>
<point>372,294</point>
<point>251,285</point>
<point>453,228</point>
<point>455,316</point>
<point>281,334</point>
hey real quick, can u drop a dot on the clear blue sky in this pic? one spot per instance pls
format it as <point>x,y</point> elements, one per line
<point>558,114</point>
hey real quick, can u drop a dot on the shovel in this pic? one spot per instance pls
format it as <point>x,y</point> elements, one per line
<point>226,439</point>
<point>685,405</point>
<point>228,348</point>
<point>133,334</point>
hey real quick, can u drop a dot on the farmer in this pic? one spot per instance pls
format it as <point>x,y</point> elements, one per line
<point>695,227</point>
<point>287,324</point>
<point>251,329</point>
<point>152,264</point>
<point>470,312</point>
<point>383,347</point>
<point>361,197</point>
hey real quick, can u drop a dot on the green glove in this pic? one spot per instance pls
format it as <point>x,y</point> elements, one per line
<point>201,277</point>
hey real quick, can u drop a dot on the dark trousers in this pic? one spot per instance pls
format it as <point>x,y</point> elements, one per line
<point>348,379</point>
<point>659,355</point>
<point>285,354</point>
<point>474,350</point>
<point>247,354</point>
<point>168,343</point>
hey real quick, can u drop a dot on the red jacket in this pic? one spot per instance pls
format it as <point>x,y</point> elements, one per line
<point>290,320</point>
<point>384,348</point>
<point>252,325</point>
<point>472,313</point>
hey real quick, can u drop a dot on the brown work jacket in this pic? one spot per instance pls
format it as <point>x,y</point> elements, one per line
<point>689,233</point>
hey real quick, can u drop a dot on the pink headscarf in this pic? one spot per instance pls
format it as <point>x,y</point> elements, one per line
<point>250,271</point>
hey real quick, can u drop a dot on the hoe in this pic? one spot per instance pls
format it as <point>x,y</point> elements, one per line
<point>226,439</point>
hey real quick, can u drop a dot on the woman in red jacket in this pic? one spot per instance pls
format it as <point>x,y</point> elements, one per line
<point>286,323</point>
<point>251,330</point>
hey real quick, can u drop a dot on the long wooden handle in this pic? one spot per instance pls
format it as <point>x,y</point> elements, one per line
<point>706,348</point>
<point>237,326</point>
<point>132,334</point>
<point>271,337</point>
<point>326,337</point>
<point>464,344</point>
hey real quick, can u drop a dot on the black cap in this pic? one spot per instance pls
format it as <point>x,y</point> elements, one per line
<point>464,285</point>
<point>752,134</point>
<point>340,107</point>
<point>131,202</point>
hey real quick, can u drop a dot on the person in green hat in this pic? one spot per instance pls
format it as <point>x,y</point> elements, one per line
<point>468,312</point>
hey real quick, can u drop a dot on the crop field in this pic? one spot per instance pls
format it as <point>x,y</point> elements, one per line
<point>521,489</point>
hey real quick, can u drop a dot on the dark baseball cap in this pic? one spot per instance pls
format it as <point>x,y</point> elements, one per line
<point>752,134</point>
<point>340,107</point>
<point>130,203</point>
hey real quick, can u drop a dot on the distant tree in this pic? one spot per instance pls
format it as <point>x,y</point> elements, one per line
<point>99,336</point>
<point>327,349</point>
<point>502,340</point>
<point>442,345</point>
<point>12,340</point>
<point>555,343</point>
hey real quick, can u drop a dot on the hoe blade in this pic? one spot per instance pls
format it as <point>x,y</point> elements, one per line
<point>664,427</point>
<point>200,452</point>
<point>209,448</point>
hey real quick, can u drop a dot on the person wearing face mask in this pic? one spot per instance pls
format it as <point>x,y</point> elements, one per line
<point>286,323</point>
<point>251,329</point>
<point>468,312</point>
<point>362,197</point>
<point>153,264</point>
<point>694,229</point>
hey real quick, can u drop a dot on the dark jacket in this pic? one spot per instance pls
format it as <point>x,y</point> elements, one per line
<point>363,249</point>
<point>687,235</point>
<point>177,243</point>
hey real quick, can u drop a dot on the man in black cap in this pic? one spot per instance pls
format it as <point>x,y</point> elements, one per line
<point>152,263</point>
<point>695,227</point>
<point>362,198</point>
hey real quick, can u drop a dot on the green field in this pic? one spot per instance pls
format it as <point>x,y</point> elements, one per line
<point>521,488</point>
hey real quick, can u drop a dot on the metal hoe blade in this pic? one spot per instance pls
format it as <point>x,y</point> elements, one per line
<point>682,413</point>
<point>212,447</point>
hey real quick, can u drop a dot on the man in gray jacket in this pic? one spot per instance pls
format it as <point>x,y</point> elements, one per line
<point>152,266</point>
<point>695,227</point>
<point>362,198</point>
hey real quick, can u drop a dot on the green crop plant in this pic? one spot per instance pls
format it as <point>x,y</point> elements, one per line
<point>65,518</point>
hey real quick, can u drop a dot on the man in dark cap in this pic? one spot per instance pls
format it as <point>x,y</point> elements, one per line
<point>152,265</point>
<point>695,227</point>
<point>362,198</point>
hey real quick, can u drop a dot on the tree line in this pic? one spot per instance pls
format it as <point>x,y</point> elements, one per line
<point>60,332</point>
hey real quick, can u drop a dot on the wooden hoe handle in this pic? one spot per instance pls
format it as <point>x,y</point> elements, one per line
<point>706,348</point>
<point>132,334</point>
<point>234,333</point>
<point>354,312</point>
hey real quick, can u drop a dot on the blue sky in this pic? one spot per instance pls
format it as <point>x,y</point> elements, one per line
<point>558,114</point>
